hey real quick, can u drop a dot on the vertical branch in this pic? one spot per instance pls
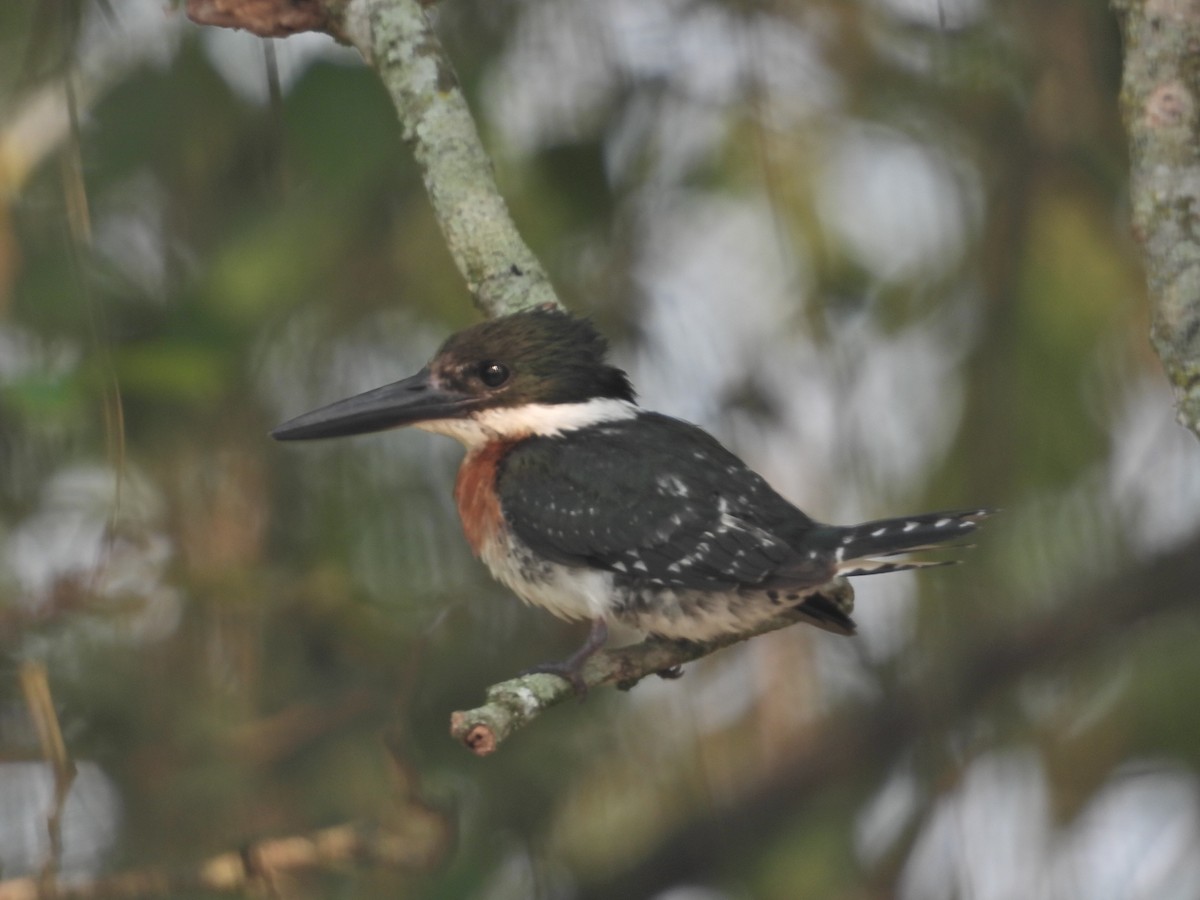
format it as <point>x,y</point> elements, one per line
<point>397,39</point>
<point>1160,87</point>
<point>36,687</point>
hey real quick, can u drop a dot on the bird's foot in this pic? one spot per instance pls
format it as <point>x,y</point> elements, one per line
<point>570,669</point>
<point>671,673</point>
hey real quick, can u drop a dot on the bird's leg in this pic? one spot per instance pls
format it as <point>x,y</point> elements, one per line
<point>571,668</point>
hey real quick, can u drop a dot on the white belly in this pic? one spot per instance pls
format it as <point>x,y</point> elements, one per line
<point>564,591</point>
<point>575,593</point>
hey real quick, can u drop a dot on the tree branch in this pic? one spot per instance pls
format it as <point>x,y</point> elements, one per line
<point>513,704</point>
<point>412,836</point>
<point>260,865</point>
<point>35,684</point>
<point>398,41</point>
<point>1160,87</point>
<point>396,37</point>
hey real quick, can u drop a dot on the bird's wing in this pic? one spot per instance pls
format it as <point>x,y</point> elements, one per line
<point>655,500</point>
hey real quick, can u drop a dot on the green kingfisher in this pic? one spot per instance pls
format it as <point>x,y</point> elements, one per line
<point>593,508</point>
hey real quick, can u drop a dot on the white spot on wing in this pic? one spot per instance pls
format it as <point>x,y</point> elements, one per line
<point>672,485</point>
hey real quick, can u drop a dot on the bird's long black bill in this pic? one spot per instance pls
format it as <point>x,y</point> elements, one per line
<point>406,402</point>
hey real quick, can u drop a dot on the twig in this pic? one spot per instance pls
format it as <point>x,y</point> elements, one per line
<point>1160,98</point>
<point>341,847</point>
<point>36,687</point>
<point>513,704</point>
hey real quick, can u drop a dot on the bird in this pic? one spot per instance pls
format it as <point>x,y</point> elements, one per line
<point>595,509</point>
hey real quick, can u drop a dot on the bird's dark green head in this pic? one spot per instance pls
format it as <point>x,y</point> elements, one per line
<point>541,371</point>
<point>543,356</point>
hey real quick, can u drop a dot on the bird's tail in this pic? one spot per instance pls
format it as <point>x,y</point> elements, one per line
<point>871,547</point>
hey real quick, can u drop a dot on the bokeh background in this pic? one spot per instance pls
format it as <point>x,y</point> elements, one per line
<point>879,247</point>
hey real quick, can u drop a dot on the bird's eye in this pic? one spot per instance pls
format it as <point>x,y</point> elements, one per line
<point>493,374</point>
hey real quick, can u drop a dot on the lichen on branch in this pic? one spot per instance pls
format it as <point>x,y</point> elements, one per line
<point>397,38</point>
<point>1160,89</point>
<point>513,704</point>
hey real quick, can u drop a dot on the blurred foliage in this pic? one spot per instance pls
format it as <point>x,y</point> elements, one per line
<point>877,246</point>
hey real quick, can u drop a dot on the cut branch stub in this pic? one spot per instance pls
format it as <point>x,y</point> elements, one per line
<point>266,18</point>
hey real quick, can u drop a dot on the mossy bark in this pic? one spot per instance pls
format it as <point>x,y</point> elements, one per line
<point>397,39</point>
<point>1160,89</point>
